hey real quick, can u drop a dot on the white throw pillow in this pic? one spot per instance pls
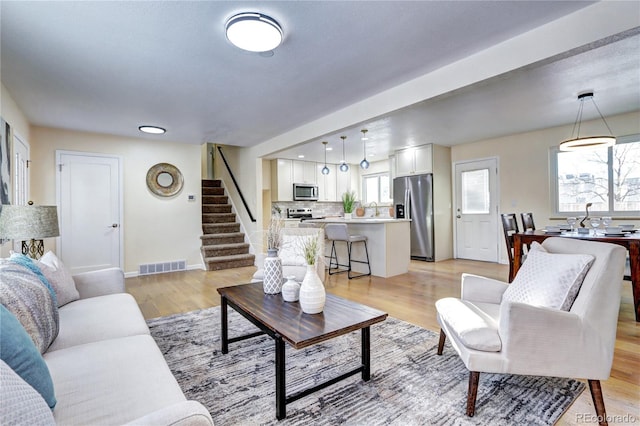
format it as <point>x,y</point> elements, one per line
<point>291,249</point>
<point>59,277</point>
<point>21,404</point>
<point>551,280</point>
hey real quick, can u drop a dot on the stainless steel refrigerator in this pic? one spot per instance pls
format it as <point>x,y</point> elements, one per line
<point>413,195</point>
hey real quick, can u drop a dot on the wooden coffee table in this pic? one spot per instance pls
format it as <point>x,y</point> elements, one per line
<point>285,322</point>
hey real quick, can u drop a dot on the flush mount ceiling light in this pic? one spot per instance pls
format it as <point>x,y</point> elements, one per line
<point>154,130</point>
<point>586,142</point>
<point>254,32</point>
<point>325,169</point>
<point>344,167</point>
<point>364,163</point>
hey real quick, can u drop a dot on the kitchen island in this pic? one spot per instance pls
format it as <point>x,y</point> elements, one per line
<point>388,244</point>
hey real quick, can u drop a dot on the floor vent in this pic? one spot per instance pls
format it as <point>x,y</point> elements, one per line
<point>159,268</point>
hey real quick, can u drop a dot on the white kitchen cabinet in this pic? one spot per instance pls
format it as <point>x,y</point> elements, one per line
<point>414,160</point>
<point>347,181</point>
<point>326,183</point>
<point>304,172</point>
<point>281,180</point>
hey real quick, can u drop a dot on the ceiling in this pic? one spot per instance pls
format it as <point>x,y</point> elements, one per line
<point>109,67</point>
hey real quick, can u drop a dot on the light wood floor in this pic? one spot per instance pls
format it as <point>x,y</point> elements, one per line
<point>410,297</point>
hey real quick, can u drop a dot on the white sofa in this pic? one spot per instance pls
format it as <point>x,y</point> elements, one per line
<point>106,368</point>
<point>293,263</point>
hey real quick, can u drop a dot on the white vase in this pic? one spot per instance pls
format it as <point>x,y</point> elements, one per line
<point>347,216</point>
<point>291,290</point>
<point>272,281</point>
<point>312,294</point>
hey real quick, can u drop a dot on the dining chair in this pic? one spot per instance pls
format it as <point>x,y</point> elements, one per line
<point>557,319</point>
<point>527,222</point>
<point>510,227</point>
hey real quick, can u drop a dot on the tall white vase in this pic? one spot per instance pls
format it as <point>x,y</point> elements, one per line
<point>312,294</point>
<point>272,281</point>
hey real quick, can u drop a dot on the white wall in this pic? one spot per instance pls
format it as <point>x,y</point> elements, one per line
<point>12,114</point>
<point>155,229</point>
<point>524,161</point>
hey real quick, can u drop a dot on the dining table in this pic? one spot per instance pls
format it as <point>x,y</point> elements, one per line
<point>629,240</point>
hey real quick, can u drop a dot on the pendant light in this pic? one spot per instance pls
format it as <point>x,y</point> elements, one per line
<point>364,163</point>
<point>344,167</point>
<point>325,169</point>
<point>587,142</point>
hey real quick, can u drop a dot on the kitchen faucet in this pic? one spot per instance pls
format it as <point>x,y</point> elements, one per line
<point>374,204</point>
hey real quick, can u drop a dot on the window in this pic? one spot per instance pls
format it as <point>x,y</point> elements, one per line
<point>476,198</point>
<point>608,178</point>
<point>376,189</point>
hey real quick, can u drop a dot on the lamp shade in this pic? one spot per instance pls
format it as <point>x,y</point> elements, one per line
<point>28,222</point>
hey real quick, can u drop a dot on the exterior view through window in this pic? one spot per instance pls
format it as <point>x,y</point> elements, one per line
<point>609,178</point>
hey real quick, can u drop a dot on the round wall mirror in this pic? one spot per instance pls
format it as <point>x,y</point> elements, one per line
<point>164,179</point>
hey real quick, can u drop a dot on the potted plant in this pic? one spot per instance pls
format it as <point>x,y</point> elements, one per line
<point>273,235</point>
<point>348,203</point>
<point>312,293</point>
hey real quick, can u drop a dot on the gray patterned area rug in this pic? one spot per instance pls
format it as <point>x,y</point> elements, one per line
<point>410,384</point>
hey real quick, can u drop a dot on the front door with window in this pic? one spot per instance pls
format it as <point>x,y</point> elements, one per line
<point>476,222</point>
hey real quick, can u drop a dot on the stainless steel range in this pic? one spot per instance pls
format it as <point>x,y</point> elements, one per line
<point>299,213</point>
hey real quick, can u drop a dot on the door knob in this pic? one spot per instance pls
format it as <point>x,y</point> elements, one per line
<point>115,225</point>
<point>458,216</point>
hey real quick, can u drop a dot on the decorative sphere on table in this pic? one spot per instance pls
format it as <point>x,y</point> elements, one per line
<point>291,290</point>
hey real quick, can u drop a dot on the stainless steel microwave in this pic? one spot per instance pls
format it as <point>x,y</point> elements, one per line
<point>305,192</point>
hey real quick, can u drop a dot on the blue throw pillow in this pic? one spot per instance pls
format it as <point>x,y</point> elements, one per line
<point>22,260</point>
<point>20,353</point>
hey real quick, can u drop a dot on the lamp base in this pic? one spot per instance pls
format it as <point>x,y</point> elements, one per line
<point>34,248</point>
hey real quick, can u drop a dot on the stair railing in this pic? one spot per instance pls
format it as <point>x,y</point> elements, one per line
<point>235,183</point>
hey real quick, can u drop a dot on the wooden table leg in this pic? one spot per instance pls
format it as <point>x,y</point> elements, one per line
<point>634,258</point>
<point>517,255</point>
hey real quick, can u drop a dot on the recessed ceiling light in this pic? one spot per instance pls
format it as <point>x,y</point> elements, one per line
<point>300,156</point>
<point>329,148</point>
<point>254,32</point>
<point>154,130</point>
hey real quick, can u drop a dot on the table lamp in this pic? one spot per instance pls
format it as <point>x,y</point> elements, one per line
<point>30,224</point>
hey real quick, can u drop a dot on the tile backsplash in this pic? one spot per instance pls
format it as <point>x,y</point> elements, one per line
<point>324,209</point>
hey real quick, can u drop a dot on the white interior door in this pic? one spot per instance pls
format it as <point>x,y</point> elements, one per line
<point>90,210</point>
<point>476,210</point>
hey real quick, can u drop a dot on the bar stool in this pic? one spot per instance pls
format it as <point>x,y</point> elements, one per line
<point>338,232</point>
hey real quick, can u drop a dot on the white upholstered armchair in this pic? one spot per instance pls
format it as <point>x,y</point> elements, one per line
<point>545,323</point>
<point>290,253</point>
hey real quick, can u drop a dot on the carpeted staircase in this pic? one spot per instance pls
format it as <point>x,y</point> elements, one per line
<point>223,245</point>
